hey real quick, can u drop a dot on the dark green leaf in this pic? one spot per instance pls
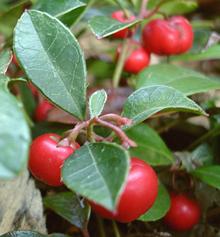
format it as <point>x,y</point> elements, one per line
<point>97,102</point>
<point>209,175</point>
<point>97,171</point>
<point>49,127</point>
<point>160,207</point>
<point>53,60</point>
<point>27,98</point>
<point>103,26</point>
<point>213,52</point>
<point>185,80</point>
<point>70,207</point>
<point>14,137</point>
<point>66,10</point>
<point>58,8</point>
<point>148,101</point>
<point>150,147</point>
<point>5,60</point>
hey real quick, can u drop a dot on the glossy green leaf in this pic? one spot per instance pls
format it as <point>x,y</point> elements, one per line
<point>66,10</point>
<point>70,207</point>
<point>28,233</point>
<point>103,26</point>
<point>183,79</point>
<point>159,208</point>
<point>97,171</point>
<point>148,101</point>
<point>213,52</point>
<point>53,60</point>
<point>14,137</point>
<point>5,60</point>
<point>209,175</point>
<point>150,147</point>
<point>97,102</point>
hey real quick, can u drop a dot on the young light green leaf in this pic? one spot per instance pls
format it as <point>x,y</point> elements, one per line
<point>4,80</point>
<point>175,7</point>
<point>213,52</point>
<point>14,137</point>
<point>185,80</point>
<point>53,60</point>
<point>5,60</point>
<point>209,175</point>
<point>148,101</point>
<point>159,208</point>
<point>97,102</point>
<point>66,9</point>
<point>150,147</point>
<point>70,207</point>
<point>98,172</point>
<point>103,26</point>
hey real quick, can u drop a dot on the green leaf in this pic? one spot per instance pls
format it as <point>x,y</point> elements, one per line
<point>9,18</point>
<point>14,137</point>
<point>58,8</point>
<point>103,26</point>
<point>30,234</point>
<point>5,60</point>
<point>150,147</point>
<point>185,80</point>
<point>70,207</point>
<point>4,80</point>
<point>148,101</point>
<point>53,60</point>
<point>65,9</point>
<point>213,52</point>
<point>176,7</point>
<point>209,175</point>
<point>160,207</point>
<point>97,102</point>
<point>97,171</point>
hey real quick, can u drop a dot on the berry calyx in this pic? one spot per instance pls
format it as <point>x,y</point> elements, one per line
<point>120,16</point>
<point>46,158</point>
<point>168,37</point>
<point>138,196</point>
<point>184,213</point>
<point>42,110</point>
<point>137,60</point>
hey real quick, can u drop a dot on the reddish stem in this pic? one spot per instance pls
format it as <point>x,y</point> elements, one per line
<point>126,142</point>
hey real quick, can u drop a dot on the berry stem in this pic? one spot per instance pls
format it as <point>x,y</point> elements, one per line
<point>126,142</point>
<point>154,11</point>
<point>143,10</point>
<point>116,230</point>
<point>120,64</point>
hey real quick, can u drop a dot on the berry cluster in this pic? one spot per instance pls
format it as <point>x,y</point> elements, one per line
<point>162,37</point>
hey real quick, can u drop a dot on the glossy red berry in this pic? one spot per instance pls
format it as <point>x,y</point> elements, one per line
<point>167,37</point>
<point>46,158</point>
<point>184,213</point>
<point>138,196</point>
<point>42,110</point>
<point>33,89</point>
<point>137,60</point>
<point>119,16</point>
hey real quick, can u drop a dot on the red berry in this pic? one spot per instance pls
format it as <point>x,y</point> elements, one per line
<point>167,37</point>
<point>42,110</point>
<point>184,213</point>
<point>137,60</point>
<point>14,60</point>
<point>46,158</point>
<point>138,196</point>
<point>119,16</point>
